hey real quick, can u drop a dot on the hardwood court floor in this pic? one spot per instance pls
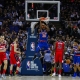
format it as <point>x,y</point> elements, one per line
<point>40,78</point>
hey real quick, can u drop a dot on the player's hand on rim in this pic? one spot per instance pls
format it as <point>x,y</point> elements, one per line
<point>41,18</point>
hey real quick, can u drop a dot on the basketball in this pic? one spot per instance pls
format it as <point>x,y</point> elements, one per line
<point>42,18</point>
<point>68,61</point>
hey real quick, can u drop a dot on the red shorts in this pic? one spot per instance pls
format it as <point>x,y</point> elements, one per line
<point>12,59</point>
<point>58,57</point>
<point>2,57</point>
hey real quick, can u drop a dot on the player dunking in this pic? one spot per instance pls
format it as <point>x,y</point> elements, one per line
<point>43,38</point>
<point>14,58</point>
<point>59,51</point>
<point>3,57</point>
<point>76,59</point>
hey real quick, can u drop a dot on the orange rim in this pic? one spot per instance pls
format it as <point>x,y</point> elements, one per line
<point>43,18</point>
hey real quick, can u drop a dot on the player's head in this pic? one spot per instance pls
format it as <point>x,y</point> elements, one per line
<point>15,39</point>
<point>60,37</point>
<point>75,42</point>
<point>43,26</point>
<point>2,37</point>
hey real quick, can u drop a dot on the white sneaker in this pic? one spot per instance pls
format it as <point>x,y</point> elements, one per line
<point>3,76</point>
<point>53,74</point>
<point>59,76</point>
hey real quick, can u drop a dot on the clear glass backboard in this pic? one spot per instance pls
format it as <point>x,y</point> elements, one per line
<point>36,9</point>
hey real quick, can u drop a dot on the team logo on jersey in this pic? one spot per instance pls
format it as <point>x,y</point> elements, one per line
<point>32,46</point>
<point>28,64</point>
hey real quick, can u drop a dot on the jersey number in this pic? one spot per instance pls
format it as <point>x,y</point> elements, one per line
<point>59,46</point>
<point>44,35</point>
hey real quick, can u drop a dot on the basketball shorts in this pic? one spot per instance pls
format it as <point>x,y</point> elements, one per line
<point>76,59</point>
<point>2,57</point>
<point>58,57</point>
<point>42,45</point>
<point>12,59</point>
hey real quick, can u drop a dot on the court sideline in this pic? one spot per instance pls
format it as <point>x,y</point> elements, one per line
<point>40,78</point>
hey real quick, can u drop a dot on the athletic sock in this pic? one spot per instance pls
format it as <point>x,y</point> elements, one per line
<point>4,71</point>
<point>60,71</point>
<point>10,71</point>
<point>17,71</point>
<point>54,70</point>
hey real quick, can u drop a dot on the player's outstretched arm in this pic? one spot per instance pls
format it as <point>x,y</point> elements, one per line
<point>54,48</point>
<point>40,22</point>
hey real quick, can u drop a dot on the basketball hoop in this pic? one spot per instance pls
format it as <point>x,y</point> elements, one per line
<point>45,19</point>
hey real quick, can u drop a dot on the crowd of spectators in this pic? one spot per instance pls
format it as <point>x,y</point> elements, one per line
<point>70,17</point>
<point>12,23</point>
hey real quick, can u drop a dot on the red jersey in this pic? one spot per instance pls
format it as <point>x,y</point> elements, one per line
<point>59,46</point>
<point>12,52</point>
<point>3,45</point>
<point>12,49</point>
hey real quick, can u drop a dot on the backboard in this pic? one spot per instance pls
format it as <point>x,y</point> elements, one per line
<point>36,9</point>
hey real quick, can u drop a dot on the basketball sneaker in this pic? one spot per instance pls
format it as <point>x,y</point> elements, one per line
<point>59,75</point>
<point>75,74</point>
<point>54,74</point>
<point>3,76</point>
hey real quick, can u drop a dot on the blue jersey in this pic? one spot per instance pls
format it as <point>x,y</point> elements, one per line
<point>43,36</point>
<point>76,52</point>
<point>76,58</point>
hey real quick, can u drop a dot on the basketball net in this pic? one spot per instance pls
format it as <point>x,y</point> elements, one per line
<point>45,19</point>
